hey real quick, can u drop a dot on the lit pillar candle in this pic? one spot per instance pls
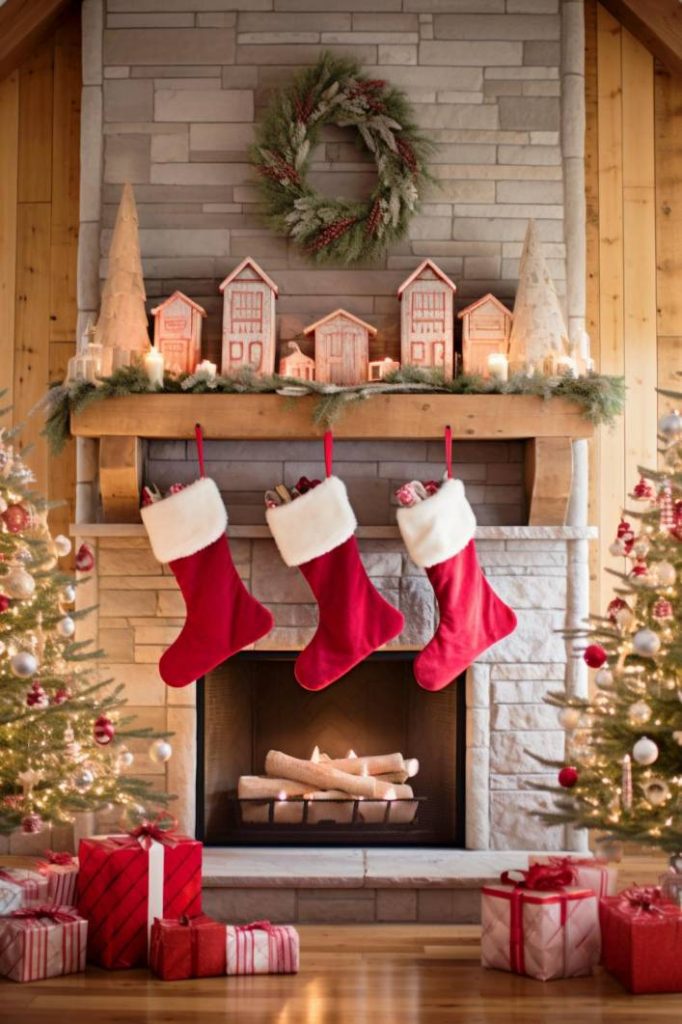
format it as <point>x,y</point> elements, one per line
<point>566,366</point>
<point>153,364</point>
<point>207,369</point>
<point>498,366</point>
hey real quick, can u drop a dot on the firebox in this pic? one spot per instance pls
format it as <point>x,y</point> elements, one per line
<point>252,704</point>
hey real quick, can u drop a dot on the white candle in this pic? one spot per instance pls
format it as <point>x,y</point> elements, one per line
<point>207,368</point>
<point>498,366</point>
<point>566,366</point>
<point>153,364</point>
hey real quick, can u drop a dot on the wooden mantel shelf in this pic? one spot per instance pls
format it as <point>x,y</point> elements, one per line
<point>390,417</point>
<point>547,427</point>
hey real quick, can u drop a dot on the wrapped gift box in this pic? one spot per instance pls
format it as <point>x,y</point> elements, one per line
<point>544,933</point>
<point>642,940</point>
<point>262,948</point>
<point>126,881</point>
<point>61,871</point>
<point>42,942</point>
<point>187,948</point>
<point>22,887</point>
<point>593,873</point>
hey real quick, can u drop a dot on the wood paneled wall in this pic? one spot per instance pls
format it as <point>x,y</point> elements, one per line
<point>634,239</point>
<point>39,187</point>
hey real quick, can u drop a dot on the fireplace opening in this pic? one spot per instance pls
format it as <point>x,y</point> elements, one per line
<point>252,704</point>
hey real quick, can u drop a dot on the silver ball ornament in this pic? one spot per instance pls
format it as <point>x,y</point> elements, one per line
<point>645,751</point>
<point>639,713</point>
<point>604,678</point>
<point>665,573</point>
<point>83,779</point>
<point>160,751</point>
<point>125,759</point>
<point>18,583</point>
<point>62,545</point>
<point>670,425</point>
<point>569,717</point>
<point>24,664</point>
<point>66,627</point>
<point>68,594</point>
<point>646,642</point>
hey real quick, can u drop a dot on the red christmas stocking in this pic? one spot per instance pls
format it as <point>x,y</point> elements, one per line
<point>439,536</point>
<point>187,530</point>
<point>315,532</point>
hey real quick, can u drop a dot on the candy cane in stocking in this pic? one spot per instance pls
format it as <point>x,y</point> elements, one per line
<point>439,536</point>
<point>187,530</point>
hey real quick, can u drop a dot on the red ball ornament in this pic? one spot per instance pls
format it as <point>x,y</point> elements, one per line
<point>568,776</point>
<point>16,518</point>
<point>614,607</point>
<point>32,823</point>
<point>594,655</point>
<point>61,696</point>
<point>643,491</point>
<point>4,603</point>
<point>85,558</point>
<point>36,697</point>
<point>103,730</point>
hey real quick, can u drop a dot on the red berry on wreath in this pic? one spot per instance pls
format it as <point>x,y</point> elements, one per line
<point>594,655</point>
<point>103,730</point>
<point>568,776</point>
<point>4,603</point>
<point>85,558</point>
<point>16,518</point>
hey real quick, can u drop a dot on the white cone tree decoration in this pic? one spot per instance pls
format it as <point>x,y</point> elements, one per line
<point>122,322</point>
<point>538,334</point>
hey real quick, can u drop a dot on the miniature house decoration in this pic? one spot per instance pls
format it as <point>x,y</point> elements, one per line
<point>427,319</point>
<point>248,319</point>
<point>177,332</point>
<point>380,368</point>
<point>297,364</point>
<point>341,348</point>
<point>486,327</point>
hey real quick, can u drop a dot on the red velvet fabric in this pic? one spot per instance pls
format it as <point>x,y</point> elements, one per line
<point>642,948</point>
<point>354,618</point>
<point>222,617</point>
<point>472,618</point>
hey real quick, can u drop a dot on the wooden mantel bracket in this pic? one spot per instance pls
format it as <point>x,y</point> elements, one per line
<point>549,474</point>
<point>120,478</point>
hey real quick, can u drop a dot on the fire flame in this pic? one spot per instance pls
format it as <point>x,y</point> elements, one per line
<point>351,755</point>
<point>315,756</point>
<point>281,795</point>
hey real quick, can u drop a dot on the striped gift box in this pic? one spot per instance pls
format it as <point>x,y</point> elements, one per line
<point>21,887</point>
<point>42,942</point>
<point>117,889</point>
<point>262,948</point>
<point>61,871</point>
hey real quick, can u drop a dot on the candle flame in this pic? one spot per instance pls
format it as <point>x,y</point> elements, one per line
<point>281,795</point>
<point>351,755</point>
<point>315,756</point>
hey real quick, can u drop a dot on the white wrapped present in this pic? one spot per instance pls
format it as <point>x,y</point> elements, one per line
<point>21,887</point>
<point>262,948</point>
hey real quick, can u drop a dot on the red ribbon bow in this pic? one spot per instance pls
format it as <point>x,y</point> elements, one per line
<point>644,898</point>
<point>540,877</point>
<point>55,913</point>
<point>151,831</point>
<point>256,926</point>
<point>59,857</point>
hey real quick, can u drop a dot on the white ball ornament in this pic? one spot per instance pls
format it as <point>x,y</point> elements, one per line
<point>665,573</point>
<point>646,642</point>
<point>62,545</point>
<point>125,759</point>
<point>617,549</point>
<point>68,594</point>
<point>569,717</point>
<point>66,627</point>
<point>24,664</point>
<point>83,779</point>
<point>604,678</point>
<point>670,425</point>
<point>18,583</point>
<point>645,751</point>
<point>160,751</point>
<point>639,713</point>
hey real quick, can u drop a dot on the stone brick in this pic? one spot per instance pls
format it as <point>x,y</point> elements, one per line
<point>92,24</point>
<point>523,691</point>
<point>457,116</point>
<point>512,210</point>
<point>485,26</point>
<point>299,53</point>
<point>199,174</point>
<point>170,147</point>
<point>532,592</point>
<point>162,634</point>
<point>482,267</point>
<point>478,686</point>
<point>127,562</point>
<point>126,158</point>
<point>241,906</point>
<point>397,54</point>
<point>181,770</point>
<point>524,717</point>
<point>294,614</point>
<point>149,20</point>
<point>123,602</point>
<point>458,6</point>
<point>371,22</point>
<point>472,53</point>
<point>117,644</point>
<point>382,563</point>
<point>204,105</point>
<point>514,826</point>
<point>498,228</point>
<point>317,21</point>
<point>170,602</point>
<point>532,6</point>
<point>143,684</point>
<point>336,5</point>
<point>167,46</point>
<point>515,192</point>
<point>91,153</point>
<point>418,606</point>
<point>225,19</point>
<point>550,670</point>
<point>541,52</point>
<point>448,906</point>
<point>529,112</point>
<point>396,905</point>
<point>478,727</point>
<point>219,137</point>
<point>342,906</point>
<point>513,751</point>
<point>272,580</point>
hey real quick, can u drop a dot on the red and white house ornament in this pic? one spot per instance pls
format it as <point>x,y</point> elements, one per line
<point>36,697</point>
<point>249,319</point>
<point>341,347</point>
<point>103,730</point>
<point>662,610</point>
<point>177,332</point>
<point>486,327</point>
<point>643,490</point>
<point>427,321</point>
<point>297,364</point>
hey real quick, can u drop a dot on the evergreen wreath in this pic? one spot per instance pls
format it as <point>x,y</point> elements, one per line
<point>340,230</point>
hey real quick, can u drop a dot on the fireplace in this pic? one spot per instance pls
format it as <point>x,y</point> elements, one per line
<point>253,704</point>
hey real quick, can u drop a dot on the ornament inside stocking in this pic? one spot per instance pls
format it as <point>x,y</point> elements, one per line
<point>187,530</point>
<point>315,533</point>
<point>439,536</point>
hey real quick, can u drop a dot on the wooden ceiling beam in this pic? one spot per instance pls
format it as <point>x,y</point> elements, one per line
<point>657,24</point>
<point>23,24</point>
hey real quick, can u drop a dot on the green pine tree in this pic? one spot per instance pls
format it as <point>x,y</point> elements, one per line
<point>51,693</point>
<point>625,742</point>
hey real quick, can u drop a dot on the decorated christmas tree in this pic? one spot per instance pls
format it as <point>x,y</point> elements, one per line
<point>623,768</point>
<point>62,733</point>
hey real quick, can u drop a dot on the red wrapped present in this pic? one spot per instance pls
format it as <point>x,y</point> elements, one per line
<point>187,948</point>
<point>21,887</point>
<point>262,948</point>
<point>61,871</point>
<point>538,926</point>
<point>595,873</point>
<point>642,940</point>
<point>42,942</point>
<point>125,881</point>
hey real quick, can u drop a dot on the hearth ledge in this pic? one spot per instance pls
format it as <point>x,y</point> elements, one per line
<point>363,532</point>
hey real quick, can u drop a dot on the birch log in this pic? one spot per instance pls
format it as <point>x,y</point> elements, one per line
<point>375,764</point>
<point>257,787</point>
<point>319,775</point>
